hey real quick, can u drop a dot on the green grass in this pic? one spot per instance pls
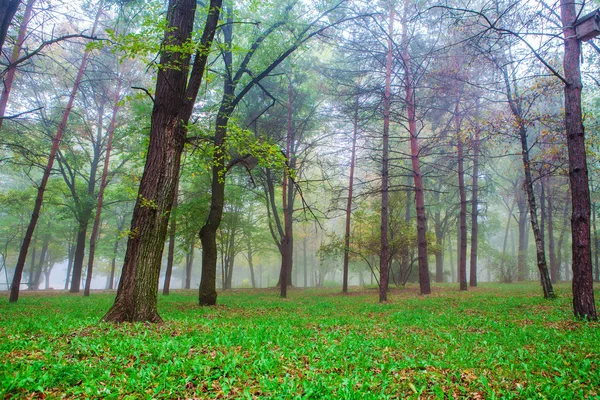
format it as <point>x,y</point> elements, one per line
<point>497,341</point>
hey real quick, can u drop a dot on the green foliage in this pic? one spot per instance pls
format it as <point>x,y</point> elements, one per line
<point>496,341</point>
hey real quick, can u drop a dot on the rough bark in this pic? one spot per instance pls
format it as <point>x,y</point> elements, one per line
<point>173,104</point>
<point>583,290</point>
<point>384,257</point>
<point>9,75</point>
<point>16,283</point>
<point>349,202</point>
<point>416,164</point>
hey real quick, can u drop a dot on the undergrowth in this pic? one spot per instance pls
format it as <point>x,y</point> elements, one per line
<point>496,341</point>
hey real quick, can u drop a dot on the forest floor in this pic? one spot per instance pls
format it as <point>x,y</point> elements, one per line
<point>493,341</point>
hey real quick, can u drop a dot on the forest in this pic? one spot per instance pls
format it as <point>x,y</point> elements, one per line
<point>189,190</point>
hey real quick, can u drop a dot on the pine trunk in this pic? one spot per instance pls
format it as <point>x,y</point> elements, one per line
<point>474,210</point>
<point>349,203</point>
<point>416,164</point>
<point>384,251</point>
<point>9,74</point>
<point>583,290</point>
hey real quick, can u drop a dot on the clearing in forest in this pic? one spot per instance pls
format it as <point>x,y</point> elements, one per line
<point>495,340</point>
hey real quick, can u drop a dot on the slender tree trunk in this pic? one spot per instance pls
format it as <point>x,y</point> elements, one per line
<point>522,269</point>
<point>539,240</point>
<point>287,192</point>
<point>554,275</point>
<point>35,284</point>
<point>171,254</point>
<point>505,242</point>
<point>14,293</point>
<point>103,183</point>
<point>9,76</point>
<point>71,255</point>
<point>349,203</point>
<point>597,274</point>
<point>416,164</point>
<point>583,288</point>
<point>111,281</point>
<point>250,263</point>
<point>384,252</point>
<point>304,245</point>
<point>563,230</point>
<point>173,104</point>
<point>462,268</point>
<point>189,263</point>
<point>474,210</point>
<point>439,236</point>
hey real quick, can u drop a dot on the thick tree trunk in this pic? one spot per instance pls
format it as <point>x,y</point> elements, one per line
<point>416,164</point>
<point>462,268</point>
<point>171,253</point>
<point>474,210</point>
<point>80,250</point>
<point>103,183</point>
<point>583,290</point>
<point>384,257</point>
<point>349,203</point>
<point>9,76</point>
<point>16,283</point>
<point>173,104</point>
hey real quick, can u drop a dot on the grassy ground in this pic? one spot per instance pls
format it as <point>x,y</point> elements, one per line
<point>494,341</point>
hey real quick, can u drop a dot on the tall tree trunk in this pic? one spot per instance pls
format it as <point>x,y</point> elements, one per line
<point>439,238</point>
<point>597,270</point>
<point>171,254</point>
<point>250,263</point>
<point>207,293</point>
<point>522,269</point>
<point>287,201</point>
<point>554,275</point>
<point>474,210</point>
<point>304,245</point>
<point>384,252</point>
<point>189,263</point>
<point>103,183</point>
<point>416,164</point>
<point>16,283</point>
<point>539,240</point>
<point>505,242</point>
<point>462,268</point>
<point>583,290</point>
<point>563,230</point>
<point>349,203</point>
<point>111,281</point>
<point>173,104</point>
<point>70,255</point>
<point>9,76</point>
